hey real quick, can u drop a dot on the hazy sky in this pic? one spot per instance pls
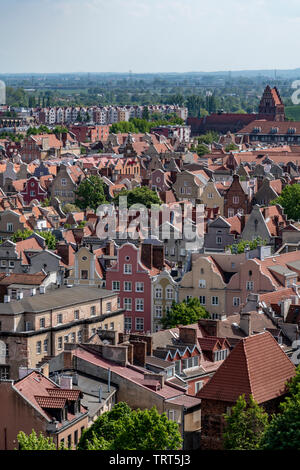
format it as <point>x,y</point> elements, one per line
<point>148,35</point>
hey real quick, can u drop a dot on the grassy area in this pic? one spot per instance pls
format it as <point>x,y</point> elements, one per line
<point>293,112</point>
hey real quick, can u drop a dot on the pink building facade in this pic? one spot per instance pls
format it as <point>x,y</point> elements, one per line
<point>132,280</point>
<point>33,190</point>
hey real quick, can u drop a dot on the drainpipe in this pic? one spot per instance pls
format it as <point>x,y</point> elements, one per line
<point>108,385</point>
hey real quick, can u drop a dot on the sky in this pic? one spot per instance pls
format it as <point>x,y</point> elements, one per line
<point>61,36</point>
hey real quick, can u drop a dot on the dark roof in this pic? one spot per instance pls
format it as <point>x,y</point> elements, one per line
<point>58,298</point>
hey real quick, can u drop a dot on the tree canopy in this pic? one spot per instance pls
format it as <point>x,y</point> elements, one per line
<point>139,195</point>
<point>243,244</point>
<point>283,432</point>
<point>245,425</point>
<point>34,442</point>
<point>184,313</point>
<point>289,199</point>
<point>90,193</point>
<point>125,429</point>
<point>50,239</point>
<point>136,125</point>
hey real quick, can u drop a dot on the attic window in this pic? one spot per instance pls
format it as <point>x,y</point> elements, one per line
<point>250,273</point>
<point>274,130</point>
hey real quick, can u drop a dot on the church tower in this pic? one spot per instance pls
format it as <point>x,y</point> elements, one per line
<point>271,106</point>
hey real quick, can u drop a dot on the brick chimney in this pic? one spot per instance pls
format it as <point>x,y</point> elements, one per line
<point>158,256</point>
<point>63,251</point>
<point>188,335</point>
<point>139,352</point>
<point>146,254</point>
<point>110,248</point>
<point>68,355</point>
<point>152,255</point>
<point>152,376</point>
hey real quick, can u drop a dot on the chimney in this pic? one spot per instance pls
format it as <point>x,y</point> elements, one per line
<point>63,251</point>
<point>139,352</point>
<point>146,254</point>
<point>68,355</point>
<point>152,376</point>
<point>188,335</point>
<point>284,307</point>
<point>110,249</point>
<point>245,323</point>
<point>66,381</point>
<point>42,289</point>
<point>158,256</point>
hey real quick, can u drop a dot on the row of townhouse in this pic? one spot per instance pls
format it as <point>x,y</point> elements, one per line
<point>222,282</point>
<point>103,114</point>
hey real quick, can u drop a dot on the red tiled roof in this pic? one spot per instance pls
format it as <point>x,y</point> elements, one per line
<point>23,278</point>
<point>276,296</point>
<point>50,402</point>
<point>129,373</point>
<point>257,365</point>
<point>66,393</point>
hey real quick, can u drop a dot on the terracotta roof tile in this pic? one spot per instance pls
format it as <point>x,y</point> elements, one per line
<point>257,365</point>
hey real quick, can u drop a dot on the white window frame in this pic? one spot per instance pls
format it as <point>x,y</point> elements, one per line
<point>139,321</point>
<point>127,286</point>
<point>139,305</point>
<point>139,287</point>
<point>127,268</point>
<point>116,285</point>
<point>127,300</point>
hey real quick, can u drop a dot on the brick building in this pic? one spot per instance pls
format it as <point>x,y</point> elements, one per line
<point>35,328</point>
<point>257,365</point>
<point>36,402</point>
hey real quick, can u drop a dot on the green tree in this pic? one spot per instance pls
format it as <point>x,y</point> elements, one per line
<point>139,195</point>
<point>289,199</point>
<point>243,244</point>
<point>21,235</point>
<point>46,202</point>
<point>90,193</point>
<point>184,313</point>
<point>146,114</point>
<point>245,425</point>
<point>34,442</point>
<point>125,429</point>
<point>49,239</point>
<point>230,147</point>
<point>283,432</point>
<point>208,138</point>
<point>201,149</point>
